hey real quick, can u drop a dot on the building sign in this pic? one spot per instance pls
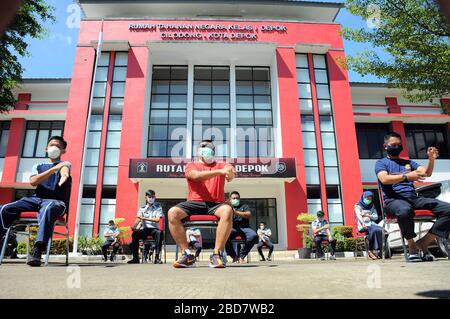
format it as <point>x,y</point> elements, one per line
<point>221,32</point>
<point>245,167</point>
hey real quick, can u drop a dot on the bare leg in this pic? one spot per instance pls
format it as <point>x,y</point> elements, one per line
<point>176,227</point>
<point>225,214</point>
<point>425,241</point>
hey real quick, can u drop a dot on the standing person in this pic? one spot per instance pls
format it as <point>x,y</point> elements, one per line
<point>366,215</point>
<point>194,238</point>
<point>206,182</point>
<point>147,224</point>
<point>111,234</point>
<point>50,200</point>
<point>396,177</point>
<point>264,234</point>
<point>241,227</point>
<point>321,232</point>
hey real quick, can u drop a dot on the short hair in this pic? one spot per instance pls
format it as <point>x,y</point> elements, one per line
<point>150,192</point>
<point>207,141</point>
<point>320,213</point>
<point>263,223</point>
<point>58,138</point>
<point>391,134</point>
<point>111,222</point>
<point>236,193</point>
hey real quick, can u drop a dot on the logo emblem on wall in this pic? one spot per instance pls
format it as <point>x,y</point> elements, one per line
<point>142,167</point>
<point>281,167</point>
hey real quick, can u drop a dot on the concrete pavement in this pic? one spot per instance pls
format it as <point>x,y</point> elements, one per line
<point>345,278</point>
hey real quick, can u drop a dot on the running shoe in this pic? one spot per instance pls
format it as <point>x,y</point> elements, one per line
<point>186,261</point>
<point>427,256</point>
<point>414,258</point>
<point>216,260</point>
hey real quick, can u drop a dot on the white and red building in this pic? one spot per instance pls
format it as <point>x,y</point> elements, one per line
<point>144,69</point>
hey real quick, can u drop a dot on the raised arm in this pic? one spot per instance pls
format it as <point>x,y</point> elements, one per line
<point>433,154</point>
<point>37,178</point>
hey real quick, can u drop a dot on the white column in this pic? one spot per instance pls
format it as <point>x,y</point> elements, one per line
<point>190,110</point>
<point>233,142</point>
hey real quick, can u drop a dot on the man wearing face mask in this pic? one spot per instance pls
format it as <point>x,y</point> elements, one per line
<point>111,235</point>
<point>321,232</point>
<point>50,200</point>
<point>206,181</point>
<point>241,227</point>
<point>147,224</point>
<point>396,178</point>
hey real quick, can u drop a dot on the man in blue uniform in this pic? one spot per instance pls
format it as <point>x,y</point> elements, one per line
<point>50,200</point>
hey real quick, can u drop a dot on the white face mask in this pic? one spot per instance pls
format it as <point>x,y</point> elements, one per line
<point>54,152</point>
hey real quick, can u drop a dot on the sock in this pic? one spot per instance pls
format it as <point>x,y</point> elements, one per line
<point>187,252</point>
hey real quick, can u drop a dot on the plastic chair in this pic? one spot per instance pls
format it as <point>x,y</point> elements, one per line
<point>151,241</point>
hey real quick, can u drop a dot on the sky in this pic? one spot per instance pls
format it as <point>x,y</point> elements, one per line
<point>53,56</point>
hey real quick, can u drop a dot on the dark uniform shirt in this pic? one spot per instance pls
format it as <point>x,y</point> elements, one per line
<point>238,221</point>
<point>50,189</point>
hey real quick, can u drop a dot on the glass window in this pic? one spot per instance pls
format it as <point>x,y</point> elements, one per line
<point>330,158</point>
<point>37,135</point>
<point>306,106</point>
<point>332,175</point>
<point>370,138</point>
<point>319,61</point>
<point>312,175</point>
<point>309,139</point>
<point>301,60</point>
<point>4,135</point>
<point>303,76</point>
<point>310,157</point>
<point>421,136</point>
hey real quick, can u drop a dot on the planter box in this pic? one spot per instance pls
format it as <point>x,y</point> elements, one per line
<point>304,253</point>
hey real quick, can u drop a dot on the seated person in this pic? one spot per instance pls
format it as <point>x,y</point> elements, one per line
<point>194,238</point>
<point>366,215</point>
<point>241,227</point>
<point>50,199</point>
<point>321,232</point>
<point>264,234</point>
<point>111,234</point>
<point>396,178</point>
<point>147,224</point>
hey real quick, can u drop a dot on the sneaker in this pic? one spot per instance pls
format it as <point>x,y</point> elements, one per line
<point>414,258</point>
<point>186,261</point>
<point>134,261</point>
<point>111,258</point>
<point>332,257</point>
<point>427,256</point>
<point>269,258</point>
<point>216,261</point>
<point>157,260</point>
<point>322,258</point>
<point>263,259</point>
<point>242,260</point>
<point>235,260</point>
<point>35,258</point>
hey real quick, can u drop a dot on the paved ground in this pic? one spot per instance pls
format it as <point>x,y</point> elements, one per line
<point>345,278</point>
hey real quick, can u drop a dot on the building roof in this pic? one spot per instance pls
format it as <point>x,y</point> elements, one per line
<point>297,10</point>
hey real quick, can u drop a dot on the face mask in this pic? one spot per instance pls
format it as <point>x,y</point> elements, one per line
<point>394,150</point>
<point>235,202</point>
<point>151,200</point>
<point>53,152</point>
<point>111,227</point>
<point>261,227</point>
<point>207,154</point>
<point>367,201</point>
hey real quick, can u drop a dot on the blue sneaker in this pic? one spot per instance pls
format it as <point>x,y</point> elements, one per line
<point>414,258</point>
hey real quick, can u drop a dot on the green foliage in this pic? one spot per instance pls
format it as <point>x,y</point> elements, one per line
<point>344,231</point>
<point>416,36</point>
<point>306,218</point>
<point>307,241</point>
<point>90,246</point>
<point>28,23</point>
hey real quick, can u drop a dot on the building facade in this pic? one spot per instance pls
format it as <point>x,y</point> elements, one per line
<point>261,78</point>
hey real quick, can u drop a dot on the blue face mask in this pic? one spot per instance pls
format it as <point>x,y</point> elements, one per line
<point>207,154</point>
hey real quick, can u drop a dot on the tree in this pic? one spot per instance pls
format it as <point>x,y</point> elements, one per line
<point>415,35</point>
<point>27,23</point>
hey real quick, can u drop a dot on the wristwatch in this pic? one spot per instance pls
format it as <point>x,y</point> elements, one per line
<point>405,178</point>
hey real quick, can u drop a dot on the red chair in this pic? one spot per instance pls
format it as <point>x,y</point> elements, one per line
<point>420,216</point>
<point>205,221</point>
<point>151,241</point>
<point>239,240</point>
<point>28,219</point>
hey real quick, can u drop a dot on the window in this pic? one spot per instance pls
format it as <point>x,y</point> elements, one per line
<point>211,116</point>
<point>101,79</point>
<point>93,150</point>
<point>37,135</point>
<point>87,212</point>
<point>254,112</point>
<point>314,200</point>
<point>168,111</point>
<point>421,136</point>
<point>4,134</point>
<point>371,139</point>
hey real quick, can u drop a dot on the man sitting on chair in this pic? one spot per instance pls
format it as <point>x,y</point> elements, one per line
<point>396,178</point>
<point>147,224</point>
<point>321,232</point>
<point>50,199</point>
<point>111,235</point>
<point>241,227</point>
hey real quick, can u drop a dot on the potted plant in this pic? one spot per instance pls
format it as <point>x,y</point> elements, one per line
<point>305,220</point>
